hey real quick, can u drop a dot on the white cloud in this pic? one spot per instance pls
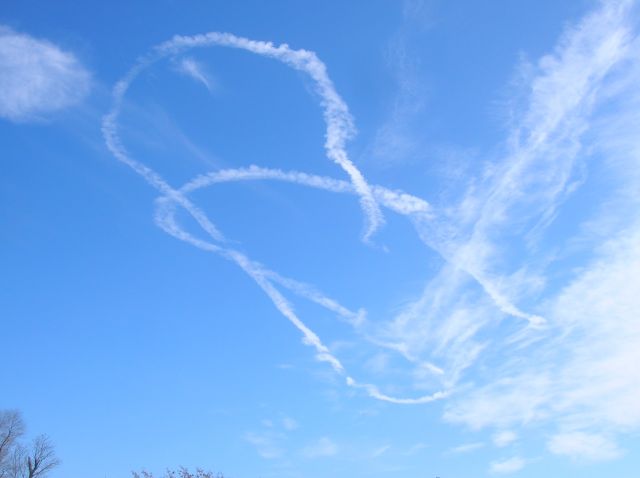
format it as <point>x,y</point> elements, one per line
<point>37,77</point>
<point>339,128</point>
<point>573,368</point>
<point>266,444</point>
<point>322,448</point>
<point>600,311</point>
<point>577,368</point>
<point>289,424</point>
<point>416,448</point>
<point>467,447</point>
<point>504,438</point>
<point>516,400</point>
<point>193,69</point>
<point>535,176</point>
<point>396,140</point>
<point>380,451</point>
<point>585,446</point>
<point>510,465</point>
<point>585,376</point>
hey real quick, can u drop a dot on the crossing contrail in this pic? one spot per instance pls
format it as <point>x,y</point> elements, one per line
<point>339,128</point>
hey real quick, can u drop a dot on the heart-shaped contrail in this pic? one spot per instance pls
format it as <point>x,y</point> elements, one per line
<point>339,127</point>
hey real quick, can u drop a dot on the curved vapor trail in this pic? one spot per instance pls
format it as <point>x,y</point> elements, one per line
<point>335,111</point>
<point>417,209</point>
<point>339,126</point>
<point>265,278</point>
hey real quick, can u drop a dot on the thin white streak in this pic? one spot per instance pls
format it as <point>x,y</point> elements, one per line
<point>397,201</point>
<point>192,68</point>
<point>585,446</point>
<point>339,128</point>
<point>166,220</point>
<point>467,447</point>
<point>510,465</point>
<point>336,114</point>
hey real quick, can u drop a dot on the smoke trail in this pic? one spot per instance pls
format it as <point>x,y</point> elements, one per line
<point>165,218</point>
<point>339,127</point>
<point>400,202</point>
<point>338,120</point>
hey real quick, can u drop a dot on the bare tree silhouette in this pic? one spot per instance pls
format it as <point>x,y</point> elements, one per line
<point>18,460</point>
<point>181,472</point>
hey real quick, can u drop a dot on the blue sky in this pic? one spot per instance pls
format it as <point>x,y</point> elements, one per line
<point>309,239</point>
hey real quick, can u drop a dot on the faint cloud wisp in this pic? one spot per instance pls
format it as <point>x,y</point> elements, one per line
<point>37,78</point>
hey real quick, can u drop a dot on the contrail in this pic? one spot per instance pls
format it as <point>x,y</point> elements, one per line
<point>339,128</point>
<point>398,201</point>
<point>336,114</point>
<point>165,218</point>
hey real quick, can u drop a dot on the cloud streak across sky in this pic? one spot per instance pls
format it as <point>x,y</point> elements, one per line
<point>540,347</point>
<point>339,128</point>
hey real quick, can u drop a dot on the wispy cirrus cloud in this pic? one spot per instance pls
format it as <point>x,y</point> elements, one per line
<point>289,423</point>
<point>339,128</point>
<point>416,448</point>
<point>323,447</point>
<point>267,444</point>
<point>395,141</point>
<point>466,447</point>
<point>271,440</point>
<point>571,373</point>
<point>510,465</point>
<point>578,445</point>
<point>37,77</point>
<point>195,70</point>
<point>513,329</point>
<point>379,451</point>
<point>504,438</point>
